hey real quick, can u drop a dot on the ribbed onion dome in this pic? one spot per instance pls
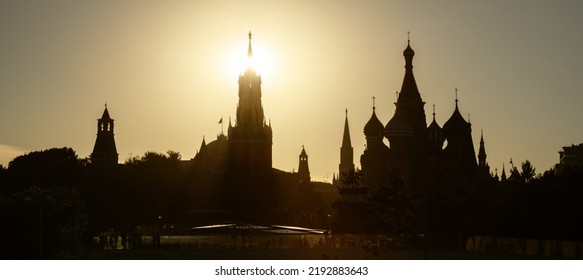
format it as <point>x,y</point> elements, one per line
<point>398,127</point>
<point>435,133</point>
<point>374,127</point>
<point>456,126</point>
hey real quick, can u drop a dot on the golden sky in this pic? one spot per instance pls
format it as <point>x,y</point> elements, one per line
<point>165,69</point>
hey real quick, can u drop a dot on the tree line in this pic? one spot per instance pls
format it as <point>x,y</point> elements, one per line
<point>52,202</point>
<point>524,205</point>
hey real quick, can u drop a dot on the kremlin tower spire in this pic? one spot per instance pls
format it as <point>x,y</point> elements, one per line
<point>482,151</point>
<point>482,164</point>
<point>249,110</point>
<point>346,151</point>
<point>104,151</point>
<point>250,143</point>
<point>249,49</point>
<point>250,137</point>
<point>303,168</point>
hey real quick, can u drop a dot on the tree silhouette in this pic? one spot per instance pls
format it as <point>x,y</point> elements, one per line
<point>528,171</point>
<point>52,167</point>
<point>152,159</point>
<point>380,208</point>
<point>41,223</point>
<point>43,212</point>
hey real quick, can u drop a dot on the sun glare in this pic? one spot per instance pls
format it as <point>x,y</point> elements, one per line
<point>261,62</point>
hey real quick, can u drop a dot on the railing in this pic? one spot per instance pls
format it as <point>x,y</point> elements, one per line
<point>527,247</point>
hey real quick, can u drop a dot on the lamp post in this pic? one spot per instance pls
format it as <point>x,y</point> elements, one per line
<point>329,223</point>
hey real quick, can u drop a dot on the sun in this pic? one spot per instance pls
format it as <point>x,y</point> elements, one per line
<point>255,56</point>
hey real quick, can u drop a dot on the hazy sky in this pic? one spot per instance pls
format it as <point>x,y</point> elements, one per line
<point>167,70</point>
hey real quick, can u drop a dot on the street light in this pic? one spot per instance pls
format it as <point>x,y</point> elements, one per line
<point>329,222</point>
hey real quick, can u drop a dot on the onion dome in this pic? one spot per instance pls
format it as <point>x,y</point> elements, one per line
<point>374,127</point>
<point>434,131</point>
<point>398,127</point>
<point>408,52</point>
<point>456,126</point>
<point>409,91</point>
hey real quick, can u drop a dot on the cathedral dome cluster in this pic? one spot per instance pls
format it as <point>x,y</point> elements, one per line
<point>415,149</point>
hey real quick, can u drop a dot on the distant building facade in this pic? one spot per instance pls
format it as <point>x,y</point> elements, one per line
<point>571,157</point>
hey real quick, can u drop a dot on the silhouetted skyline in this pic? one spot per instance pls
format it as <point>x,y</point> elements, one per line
<point>166,70</point>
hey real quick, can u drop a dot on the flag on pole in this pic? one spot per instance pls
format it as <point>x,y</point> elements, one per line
<point>221,120</point>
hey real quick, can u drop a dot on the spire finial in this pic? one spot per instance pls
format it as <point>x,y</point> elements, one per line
<point>433,111</point>
<point>373,103</point>
<point>347,112</point>
<point>250,50</point>
<point>105,105</point>
<point>456,98</point>
<point>408,37</point>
